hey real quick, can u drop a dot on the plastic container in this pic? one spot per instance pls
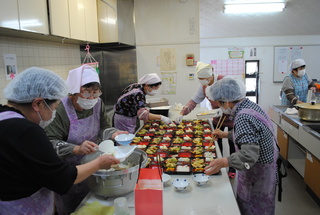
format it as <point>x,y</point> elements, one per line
<point>156,102</point>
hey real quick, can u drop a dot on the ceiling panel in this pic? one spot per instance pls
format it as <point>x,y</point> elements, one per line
<point>300,17</point>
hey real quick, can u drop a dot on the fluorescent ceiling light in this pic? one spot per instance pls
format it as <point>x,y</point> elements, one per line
<point>254,8</point>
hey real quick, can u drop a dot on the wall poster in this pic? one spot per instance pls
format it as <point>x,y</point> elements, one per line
<point>169,83</point>
<point>168,59</point>
<point>233,67</point>
<point>10,66</point>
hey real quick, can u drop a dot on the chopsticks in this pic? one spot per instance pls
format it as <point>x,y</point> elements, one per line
<point>219,124</point>
<point>159,166</point>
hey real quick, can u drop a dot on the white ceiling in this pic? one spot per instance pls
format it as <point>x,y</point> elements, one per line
<point>300,17</point>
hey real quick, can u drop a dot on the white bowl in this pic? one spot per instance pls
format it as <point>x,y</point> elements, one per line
<point>200,179</point>
<point>124,139</point>
<point>180,183</point>
<point>166,179</point>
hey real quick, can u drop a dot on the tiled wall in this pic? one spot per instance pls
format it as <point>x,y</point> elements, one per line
<point>57,57</point>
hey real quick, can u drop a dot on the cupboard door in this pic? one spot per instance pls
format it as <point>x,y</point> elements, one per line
<point>9,17</point>
<point>33,16</point>
<point>91,21</point>
<point>312,173</point>
<point>59,18</point>
<point>77,19</point>
<point>283,142</point>
<point>108,23</point>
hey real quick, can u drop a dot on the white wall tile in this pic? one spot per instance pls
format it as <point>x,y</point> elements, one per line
<point>57,57</point>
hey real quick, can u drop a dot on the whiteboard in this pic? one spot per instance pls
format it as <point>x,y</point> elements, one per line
<point>283,55</point>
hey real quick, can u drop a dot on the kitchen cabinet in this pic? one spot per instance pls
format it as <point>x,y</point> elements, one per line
<point>75,19</point>
<point>283,142</point>
<point>83,20</point>
<point>59,18</point>
<point>26,15</point>
<point>33,16</point>
<point>290,127</point>
<point>91,21</point>
<point>299,143</point>
<point>9,17</point>
<point>115,21</point>
<point>312,173</point>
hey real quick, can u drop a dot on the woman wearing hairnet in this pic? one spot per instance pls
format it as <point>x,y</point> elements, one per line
<point>296,85</point>
<point>207,78</point>
<point>257,151</point>
<point>80,121</point>
<point>131,103</point>
<point>30,168</point>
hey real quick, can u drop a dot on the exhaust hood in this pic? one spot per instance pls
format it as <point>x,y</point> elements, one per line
<point>116,23</point>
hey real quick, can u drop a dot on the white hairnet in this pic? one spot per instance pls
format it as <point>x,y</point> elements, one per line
<point>226,90</point>
<point>296,64</point>
<point>35,83</point>
<point>204,70</point>
<point>151,78</point>
<point>81,76</point>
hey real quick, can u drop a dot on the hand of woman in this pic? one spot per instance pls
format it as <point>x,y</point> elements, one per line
<point>87,147</point>
<point>220,134</point>
<point>118,133</point>
<point>216,165</point>
<point>313,89</point>
<point>107,160</point>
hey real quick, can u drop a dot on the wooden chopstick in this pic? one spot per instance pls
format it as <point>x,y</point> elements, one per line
<point>219,124</point>
<point>159,166</point>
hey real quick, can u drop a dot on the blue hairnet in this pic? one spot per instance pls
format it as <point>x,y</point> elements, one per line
<point>35,83</point>
<point>226,90</point>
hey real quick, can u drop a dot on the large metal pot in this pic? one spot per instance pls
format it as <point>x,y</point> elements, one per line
<point>308,112</point>
<point>116,183</point>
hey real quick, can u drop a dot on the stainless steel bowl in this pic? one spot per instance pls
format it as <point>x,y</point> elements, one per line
<point>116,183</point>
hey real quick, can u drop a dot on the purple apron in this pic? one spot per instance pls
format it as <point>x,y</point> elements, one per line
<point>126,123</point>
<point>256,188</point>
<point>41,202</point>
<point>79,131</point>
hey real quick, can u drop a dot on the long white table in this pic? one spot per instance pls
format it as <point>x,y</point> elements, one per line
<point>216,197</point>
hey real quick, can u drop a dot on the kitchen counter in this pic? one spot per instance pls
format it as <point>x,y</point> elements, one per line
<point>304,132</point>
<point>299,143</point>
<point>216,197</point>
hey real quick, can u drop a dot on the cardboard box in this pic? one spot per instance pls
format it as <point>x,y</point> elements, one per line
<point>156,102</point>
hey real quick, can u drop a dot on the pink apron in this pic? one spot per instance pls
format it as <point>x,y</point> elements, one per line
<point>79,131</point>
<point>126,123</point>
<point>257,186</point>
<point>41,202</point>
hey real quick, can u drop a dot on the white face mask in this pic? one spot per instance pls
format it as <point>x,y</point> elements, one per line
<point>301,72</point>
<point>86,103</point>
<point>204,82</point>
<point>229,110</point>
<point>44,123</point>
<point>226,111</point>
<point>152,93</point>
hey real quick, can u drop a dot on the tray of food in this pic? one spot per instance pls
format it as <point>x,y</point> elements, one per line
<point>184,148</point>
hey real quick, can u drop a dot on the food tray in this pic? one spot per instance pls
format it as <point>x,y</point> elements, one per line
<point>170,144</point>
<point>209,114</point>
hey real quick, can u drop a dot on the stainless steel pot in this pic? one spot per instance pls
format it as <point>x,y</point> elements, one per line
<point>116,183</point>
<point>308,112</point>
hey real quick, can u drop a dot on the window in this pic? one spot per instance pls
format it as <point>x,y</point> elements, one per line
<point>252,80</point>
